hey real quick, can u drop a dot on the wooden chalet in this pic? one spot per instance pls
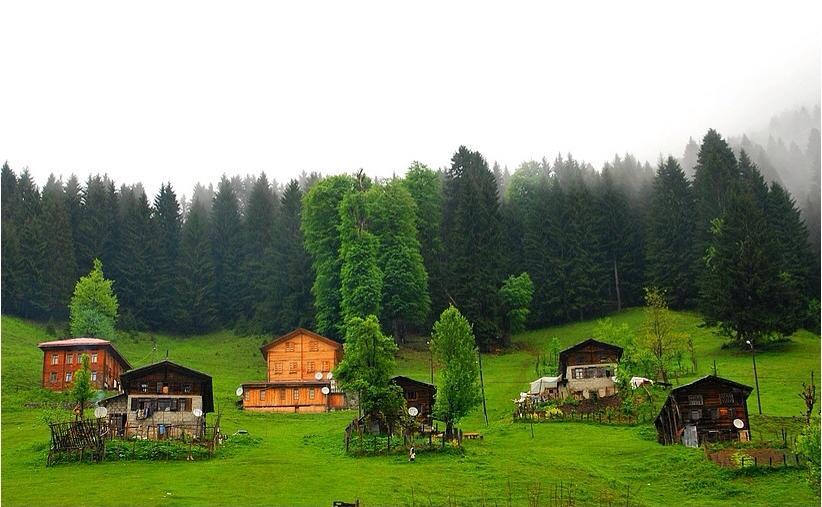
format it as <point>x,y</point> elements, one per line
<point>61,361</point>
<point>160,399</point>
<point>708,409</point>
<point>299,366</point>
<point>588,369</point>
<point>418,394</point>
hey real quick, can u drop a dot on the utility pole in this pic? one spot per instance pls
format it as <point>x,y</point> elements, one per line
<point>756,377</point>
<point>482,387</point>
<point>431,360</point>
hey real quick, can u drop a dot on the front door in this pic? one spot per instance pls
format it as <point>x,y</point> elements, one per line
<point>690,438</point>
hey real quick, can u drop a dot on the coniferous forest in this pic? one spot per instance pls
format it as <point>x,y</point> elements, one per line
<point>711,230</point>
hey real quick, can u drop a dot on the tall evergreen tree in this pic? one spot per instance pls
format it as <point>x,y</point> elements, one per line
<point>471,239</point>
<point>32,280</point>
<point>715,177</point>
<point>167,217</point>
<point>671,258</point>
<point>258,232</point>
<point>97,222</point>
<point>134,264</point>
<point>297,275</point>
<point>197,272</point>
<point>320,225</point>
<point>742,290</point>
<point>12,261</point>
<point>56,250</point>
<point>226,249</point>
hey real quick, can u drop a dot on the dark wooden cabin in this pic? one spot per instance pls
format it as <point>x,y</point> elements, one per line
<point>418,394</point>
<point>704,411</point>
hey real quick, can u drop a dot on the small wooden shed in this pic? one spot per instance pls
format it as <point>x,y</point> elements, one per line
<point>708,409</point>
<point>418,394</point>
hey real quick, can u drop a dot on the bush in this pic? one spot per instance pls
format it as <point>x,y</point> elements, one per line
<point>808,446</point>
<point>153,450</point>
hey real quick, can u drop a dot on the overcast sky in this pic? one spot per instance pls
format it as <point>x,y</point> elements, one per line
<point>183,92</point>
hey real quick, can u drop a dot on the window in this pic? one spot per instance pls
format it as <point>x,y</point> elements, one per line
<point>68,376</point>
<point>69,358</point>
<point>278,368</point>
<point>289,346</point>
<point>186,388</point>
<point>262,394</point>
<point>726,398</point>
<point>310,393</point>
<point>411,395</point>
<point>295,394</point>
<point>326,366</point>
<point>94,376</point>
<point>94,358</point>
<point>292,367</point>
<point>313,346</point>
<point>143,388</point>
<point>282,394</point>
<point>696,415</point>
<point>694,399</point>
<point>53,377</point>
<point>579,373</point>
<point>310,367</point>
<point>55,359</point>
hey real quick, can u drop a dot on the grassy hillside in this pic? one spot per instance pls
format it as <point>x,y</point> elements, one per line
<point>300,458</point>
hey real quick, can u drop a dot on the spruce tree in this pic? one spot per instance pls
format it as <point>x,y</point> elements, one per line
<point>56,251</point>
<point>167,217</point>
<point>715,177</point>
<point>12,261</point>
<point>33,277</point>
<point>197,272</point>
<point>258,232</point>
<point>670,257</point>
<point>227,253</point>
<point>134,265</point>
<point>471,241</point>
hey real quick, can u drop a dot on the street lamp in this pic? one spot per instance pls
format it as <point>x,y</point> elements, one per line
<point>431,360</point>
<point>756,377</point>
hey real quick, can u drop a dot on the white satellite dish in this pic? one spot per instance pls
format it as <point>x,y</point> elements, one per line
<point>197,412</point>
<point>100,412</point>
<point>329,376</point>
<point>325,390</point>
<point>412,411</point>
<point>239,391</point>
<point>738,424</point>
<point>318,375</point>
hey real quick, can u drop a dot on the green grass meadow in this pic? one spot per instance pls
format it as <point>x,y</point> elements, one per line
<point>300,459</point>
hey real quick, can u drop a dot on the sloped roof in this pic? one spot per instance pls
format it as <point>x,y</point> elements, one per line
<point>294,333</point>
<point>208,396</point>
<point>410,380</point>
<point>563,355</point>
<point>85,342</point>
<point>714,378</point>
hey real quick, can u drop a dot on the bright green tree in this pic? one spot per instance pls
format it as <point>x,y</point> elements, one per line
<point>361,278</point>
<point>405,299</point>
<point>367,367</point>
<point>93,307</point>
<point>82,391</point>
<point>515,297</point>
<point>455,350</point>
<point>320,225</point>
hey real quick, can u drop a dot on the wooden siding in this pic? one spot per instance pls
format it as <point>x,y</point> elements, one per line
<point>107,369</point>
<point>290,398</point>
<point>300,357</point>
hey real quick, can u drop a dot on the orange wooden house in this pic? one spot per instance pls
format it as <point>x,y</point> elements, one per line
<point>300,379</point>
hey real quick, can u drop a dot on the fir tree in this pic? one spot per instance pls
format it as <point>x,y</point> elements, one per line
<point>671,258</point>
<point>197,272</point>
<point>12,262</point>
<point>56,251</point>
<point>258,232</point>
<point>471,240</point>
<point>168,224</point>
<point>134,264</point>
<point>226,250</point>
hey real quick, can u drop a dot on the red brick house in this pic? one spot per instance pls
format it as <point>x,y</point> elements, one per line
<point>61,360</point>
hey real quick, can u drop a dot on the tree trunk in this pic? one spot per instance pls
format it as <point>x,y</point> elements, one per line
<point>616,284</point>
<point>449,430</point>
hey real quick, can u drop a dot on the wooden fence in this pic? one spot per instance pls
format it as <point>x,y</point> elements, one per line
<point>599,417</point>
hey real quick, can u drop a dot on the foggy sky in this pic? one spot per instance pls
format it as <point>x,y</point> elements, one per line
<point>184,92</point>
